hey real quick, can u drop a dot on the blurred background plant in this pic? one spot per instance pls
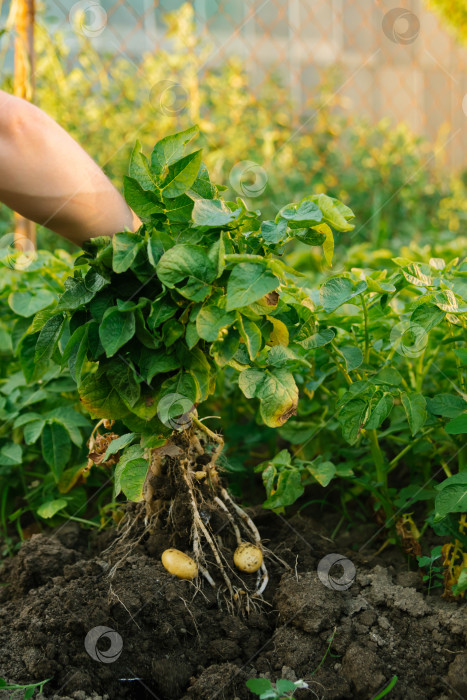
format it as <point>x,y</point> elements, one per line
<point>395,180</point>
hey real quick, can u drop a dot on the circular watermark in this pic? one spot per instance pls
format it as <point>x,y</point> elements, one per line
<point>17,251</point>
<point>401,26</point>
<point>88,17</point>
<point>464,105</point>
<point>331,577</point>
<point>248,178</point>
<point>408,340</point>
<point>175,411</point>
<point>168,97</point>
<point>112,653</point>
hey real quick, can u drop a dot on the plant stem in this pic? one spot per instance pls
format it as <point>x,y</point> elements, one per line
<point>331,639</point>
<point>378,458</point>
<point>367,336</point>
<point>381,472</point>
<point>340,367</point>
<point>404,451</point>
<point>82,520</point>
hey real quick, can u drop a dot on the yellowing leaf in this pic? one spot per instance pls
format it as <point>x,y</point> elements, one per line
<point>280,333</point>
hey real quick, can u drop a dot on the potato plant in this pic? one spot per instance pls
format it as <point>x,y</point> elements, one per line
<point>39,408</point>
<point>385,406</point>
<point>151,318</point>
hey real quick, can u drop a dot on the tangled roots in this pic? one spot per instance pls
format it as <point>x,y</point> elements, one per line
<point>184,495</point>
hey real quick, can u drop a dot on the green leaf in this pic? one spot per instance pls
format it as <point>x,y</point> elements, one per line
<point>457,426</point>
<point>272,232</point>
<point>211,320</point>
<point>129,454</point>
<point>213,213</point>
<point>289,489</point>
<point>132,479</point>
<point>249,380</point>
<point>281,356</point>
<point>317,340</point>
<point>353,356</point>
<point>323,472</point>
<point>427,316</point>
<point>247,283</point>
<point>447,405</point>
<point>182,384</point>
<point>352,419</point>
<point>451,499</point>
<point>285,686</point>
<point>250,334</point>
<point>415,408</point>
<point>202,185</point>
<point>461,584</point>
<point>143,202</point>
<point>187,261</point>
<point>309,236</point>
<point>337,291</point>
<point>48,339</point>
<point>179,209</point>
<point>152,363</point>
<point>118,444</point>
<point>139,169</point>
<point>100,398</point>
<point>380,412</point>
<point>388,375</point>
<point>11,454</point>
<point>171,148</point>
<point>80,291</point>
<point>56,447</point>
<point>28,303</point>
<point>116,329</point>
<point>258,686</point>
<point>461,354</point>
<point>27,350</point>
<point>76,351</point>
<point>181,175</point>
<point>225,348</point>
<point>125,249</point>
<point>172,330</point>
<point>335,213</point>
<point>122,376</point>
<point>51,508</point>
<point>26,418</point>
<point>305,213</point>
<point>32,431</point>
<point>161,311</point>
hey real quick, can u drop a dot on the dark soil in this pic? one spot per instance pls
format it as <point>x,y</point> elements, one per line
<point>178,644</point>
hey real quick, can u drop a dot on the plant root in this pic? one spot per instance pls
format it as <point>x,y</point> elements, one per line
<point>183,477</point>
<point>185,501</point>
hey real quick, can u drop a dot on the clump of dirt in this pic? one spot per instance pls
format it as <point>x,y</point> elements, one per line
<point>168,639</point>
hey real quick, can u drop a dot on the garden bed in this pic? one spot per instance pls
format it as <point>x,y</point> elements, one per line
<point>178,642</point>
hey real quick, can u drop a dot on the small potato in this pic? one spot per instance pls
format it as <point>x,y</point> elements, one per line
<point>248,558</point>
<point>179,564</point>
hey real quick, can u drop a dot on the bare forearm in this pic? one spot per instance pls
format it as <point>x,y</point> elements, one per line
<point>47,177</point>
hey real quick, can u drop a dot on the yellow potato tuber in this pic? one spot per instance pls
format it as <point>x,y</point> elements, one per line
<point>248,558</point>
<point>179,564</point>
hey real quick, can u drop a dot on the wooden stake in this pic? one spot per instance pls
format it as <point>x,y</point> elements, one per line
<point>24,86</point>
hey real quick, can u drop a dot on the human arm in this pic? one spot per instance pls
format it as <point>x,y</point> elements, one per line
<point>47,177</point>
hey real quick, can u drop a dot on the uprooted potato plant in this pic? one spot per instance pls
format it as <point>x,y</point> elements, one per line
<point>151,319</point>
